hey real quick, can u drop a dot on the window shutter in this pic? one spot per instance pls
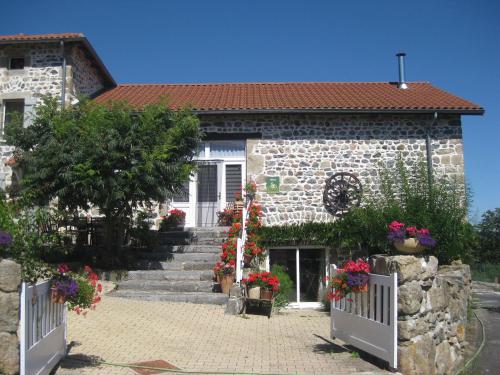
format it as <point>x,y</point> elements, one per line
<point>29,111</point>
<point>233,181</point>
<point>4,61</point>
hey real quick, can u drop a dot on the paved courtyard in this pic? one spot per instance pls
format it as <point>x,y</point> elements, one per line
<point>198,338</point>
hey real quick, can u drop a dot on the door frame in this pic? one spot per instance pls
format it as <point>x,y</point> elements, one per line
<point>326,260</point>
<point>190,207</point>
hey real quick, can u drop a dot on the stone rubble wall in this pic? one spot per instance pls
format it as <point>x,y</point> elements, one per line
<point>432,312</point>
<point>41,76</point>
<point>85,79</point>
<point>304,150</point>
<point>10,281</point>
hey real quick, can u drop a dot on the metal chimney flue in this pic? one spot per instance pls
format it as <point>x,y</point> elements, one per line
<point>401,63</point>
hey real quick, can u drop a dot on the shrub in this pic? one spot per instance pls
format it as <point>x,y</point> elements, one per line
<point>286,285</point>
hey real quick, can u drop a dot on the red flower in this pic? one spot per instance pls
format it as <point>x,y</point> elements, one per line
<point>63,268</point>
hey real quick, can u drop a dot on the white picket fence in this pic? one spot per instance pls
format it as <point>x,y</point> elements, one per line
<point>42,330</point>
<point>370,321</point>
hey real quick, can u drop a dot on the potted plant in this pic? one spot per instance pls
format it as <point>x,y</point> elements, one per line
<point>352,278</point>
<point>266,282</point>
<point>175,219</point>
<point>250,190</point>
<point>226,278</point>
<point>225,217</point>
<point>251,250</point>
<point>409,240</point>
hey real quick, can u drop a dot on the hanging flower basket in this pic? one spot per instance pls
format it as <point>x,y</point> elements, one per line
<point>247,259</point>
<point>57,297</point>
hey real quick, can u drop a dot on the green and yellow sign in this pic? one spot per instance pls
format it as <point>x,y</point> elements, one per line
<point>272,185</point>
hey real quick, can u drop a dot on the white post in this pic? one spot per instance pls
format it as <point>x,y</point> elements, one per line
<point>297,274</point>
<point>23,331</point>
<point>393,362</point>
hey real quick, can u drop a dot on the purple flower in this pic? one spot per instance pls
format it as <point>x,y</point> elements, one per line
<point>356,279</point>
<point>397,235</point>
<point>426,240</point>
<point>68,287</point>
<point>5,238</point>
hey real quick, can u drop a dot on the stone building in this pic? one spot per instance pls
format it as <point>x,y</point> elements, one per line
<point>31,66</point>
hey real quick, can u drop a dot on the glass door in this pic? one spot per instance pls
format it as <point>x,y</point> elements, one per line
<point>208,184</point>
<point>306,268</point>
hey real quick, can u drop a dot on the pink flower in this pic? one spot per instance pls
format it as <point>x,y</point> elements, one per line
<point>412,231</point>
<point>395,226</point>
<point>63,268</point>
<point>423,231</point>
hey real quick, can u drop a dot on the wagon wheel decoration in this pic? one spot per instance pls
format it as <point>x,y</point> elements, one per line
<point>342,192</point>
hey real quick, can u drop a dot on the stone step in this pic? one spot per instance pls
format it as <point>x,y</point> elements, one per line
<point>169,275</point>
<point>181,257</point>
<point>189,249</point>
<point>174,265</point>
<point>164,285</point>
<point>193,297</point>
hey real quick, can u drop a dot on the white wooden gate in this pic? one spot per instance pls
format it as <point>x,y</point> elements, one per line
<point>42,331</point>
<point>370,321</point>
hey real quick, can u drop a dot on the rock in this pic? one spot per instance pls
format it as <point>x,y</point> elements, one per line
<point>234,306</point>
<point>9,312</point>
<point>446,359</point>
<point>9,353</point>
<point>416,357</point>
<point>409,298</point>
<point>429,267</point>
<point>461,332</point>
<point>408,267</point>
<point>10,275</point>
<point>409,328</point>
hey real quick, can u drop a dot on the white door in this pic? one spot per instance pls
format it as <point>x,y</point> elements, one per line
<point>209,194</point>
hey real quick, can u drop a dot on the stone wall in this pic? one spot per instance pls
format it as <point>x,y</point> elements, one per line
<point>10,281</point>
<point>41,76</point>
<point>304,150</point>
<point>432,312</point>
<point>85,79</point>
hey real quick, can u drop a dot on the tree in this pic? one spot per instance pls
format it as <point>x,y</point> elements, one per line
<point>489,237</point>
<point>107,156</point>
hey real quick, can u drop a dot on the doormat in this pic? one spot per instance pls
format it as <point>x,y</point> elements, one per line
<point>158,363</point>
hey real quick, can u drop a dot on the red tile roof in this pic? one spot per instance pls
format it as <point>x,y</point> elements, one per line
<point>26,37</point>
<point>296,97</point>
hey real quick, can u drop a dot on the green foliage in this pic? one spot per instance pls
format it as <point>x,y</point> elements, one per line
<point>405,196</point>
<point>85,295</point>
<point>488,249</point>
<point>286,285</point>
<point>486,272</point>
<point>312,233</point>
<point>105,156</point>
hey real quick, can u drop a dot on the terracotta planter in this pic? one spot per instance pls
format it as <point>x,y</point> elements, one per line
<point>226,282</point>
<point>57,297</point>
<point>247,259</point>
<point>254,293</point>
<point>409,246</point>
<point>266,294</point>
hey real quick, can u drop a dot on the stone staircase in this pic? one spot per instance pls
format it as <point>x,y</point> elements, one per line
<point>179,270</point>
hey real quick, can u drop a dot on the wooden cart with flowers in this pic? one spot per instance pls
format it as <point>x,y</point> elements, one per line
<point>260,291</point>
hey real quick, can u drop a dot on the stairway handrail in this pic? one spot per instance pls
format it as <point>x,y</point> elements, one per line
<point>240,245</point>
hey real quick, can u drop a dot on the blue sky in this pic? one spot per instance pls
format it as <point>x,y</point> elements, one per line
<point>453,44</point>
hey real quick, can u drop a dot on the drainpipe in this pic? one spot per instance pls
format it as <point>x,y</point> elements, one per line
<point>63,86</point>
<point>428,149</point>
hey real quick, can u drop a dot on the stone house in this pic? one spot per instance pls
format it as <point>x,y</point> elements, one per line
<point>287,137</point>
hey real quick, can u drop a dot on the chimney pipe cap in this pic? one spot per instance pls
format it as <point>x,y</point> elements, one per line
<point>401,54</point>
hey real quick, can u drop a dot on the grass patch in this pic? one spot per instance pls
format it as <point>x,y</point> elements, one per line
<point>486,272</point>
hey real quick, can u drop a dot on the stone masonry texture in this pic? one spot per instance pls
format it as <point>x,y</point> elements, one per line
<point>10,280</point>
<point>41,76</point>
<point>432,312</point>
<point>304,150</point>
